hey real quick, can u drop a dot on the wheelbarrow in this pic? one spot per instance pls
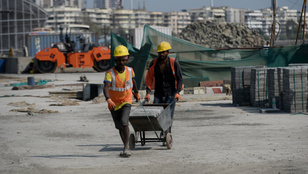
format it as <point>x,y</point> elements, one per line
<point>151,117</point>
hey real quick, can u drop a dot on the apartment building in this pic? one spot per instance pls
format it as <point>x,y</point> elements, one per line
<point>263,19</point>
<point>63,15</point>
<point>117,19</point>
<point>68,3</point>
<point>199,14</point>
<point>43,3</point>
<point>284,15</point>
<point>157,18</point>
<point>254,19</point>
<point>177,21</point>
<point>215,14</point>
<point>101,17</point>
<point>113,4</point>
<point>123,20</point>
<point>235,15</point>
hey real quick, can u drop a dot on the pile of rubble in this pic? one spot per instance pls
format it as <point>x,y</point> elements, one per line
<point>221,35</point>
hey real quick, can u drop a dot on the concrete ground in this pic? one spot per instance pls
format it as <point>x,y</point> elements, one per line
<point>40,133</point>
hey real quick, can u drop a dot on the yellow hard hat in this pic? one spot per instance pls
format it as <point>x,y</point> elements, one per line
<point>120,51</point>
<point>163,46</point>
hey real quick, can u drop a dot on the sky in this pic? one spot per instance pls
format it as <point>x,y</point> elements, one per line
<point>178,5</point>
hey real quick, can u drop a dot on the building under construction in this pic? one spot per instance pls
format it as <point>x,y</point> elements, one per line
<point>18,18</point>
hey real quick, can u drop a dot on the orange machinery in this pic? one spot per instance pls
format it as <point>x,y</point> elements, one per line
<point>64,54</point>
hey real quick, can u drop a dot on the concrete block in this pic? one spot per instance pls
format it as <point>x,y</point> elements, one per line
<point>15,65</point>
<point>214,90</point>
<point>211,83</point>
<point>91,91</point>
<point>194,90</point>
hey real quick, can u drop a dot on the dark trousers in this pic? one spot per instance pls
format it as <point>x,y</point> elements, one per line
<point>168,99</point>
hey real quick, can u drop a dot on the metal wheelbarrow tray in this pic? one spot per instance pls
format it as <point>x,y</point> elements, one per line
<point>151,117</point>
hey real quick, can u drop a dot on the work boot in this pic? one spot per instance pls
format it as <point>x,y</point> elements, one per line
<point>126,153</point>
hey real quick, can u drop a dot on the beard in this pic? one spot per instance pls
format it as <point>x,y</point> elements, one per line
<point>163,57</point>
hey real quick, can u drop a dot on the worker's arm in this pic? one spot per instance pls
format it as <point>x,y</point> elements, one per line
<point>148,80</point>
<point>178,74</point>
<point>106,91</point>
<point>111,104</point>
<point>135,89</point>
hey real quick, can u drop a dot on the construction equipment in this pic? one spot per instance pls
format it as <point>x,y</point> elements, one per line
<point>65,54</point>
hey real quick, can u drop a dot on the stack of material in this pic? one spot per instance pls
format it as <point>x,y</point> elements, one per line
<point>236,85</point>
<point>258,87</point>
<point>240,85</point>
<point>295,89</point>
<point>246,84</point>
<point>280,87</point>
<point>298,64</point>
<point>273,87</point>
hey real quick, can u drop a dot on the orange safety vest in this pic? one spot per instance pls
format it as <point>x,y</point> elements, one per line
<point>120,91</point>
<point>150,77</point>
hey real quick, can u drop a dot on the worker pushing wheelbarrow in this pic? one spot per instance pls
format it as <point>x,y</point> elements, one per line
<point>165,76</point>
<point>151,117</point>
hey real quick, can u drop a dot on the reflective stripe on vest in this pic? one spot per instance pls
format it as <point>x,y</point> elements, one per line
<point>129,82</point>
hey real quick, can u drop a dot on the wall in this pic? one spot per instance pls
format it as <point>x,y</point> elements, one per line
<point>15,65</point>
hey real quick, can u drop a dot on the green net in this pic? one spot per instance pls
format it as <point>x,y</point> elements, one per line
<point>204,64</point>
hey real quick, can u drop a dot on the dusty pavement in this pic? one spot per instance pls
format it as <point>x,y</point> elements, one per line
<point>210,135</point>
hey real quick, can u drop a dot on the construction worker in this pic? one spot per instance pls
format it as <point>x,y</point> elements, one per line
<point>165,76</point>
<point>119,83</point>
<point>31,68</point>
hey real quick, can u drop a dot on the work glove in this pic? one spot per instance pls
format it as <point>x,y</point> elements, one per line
<point>137,96</point>
<point>111,104</point>
<point>177,96</point>
<point>147,97</point>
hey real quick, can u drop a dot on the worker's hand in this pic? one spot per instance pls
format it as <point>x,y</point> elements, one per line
<point>147,97</point>
<point>177,96</point>
<point>137,96</point>
<point>111,104</point>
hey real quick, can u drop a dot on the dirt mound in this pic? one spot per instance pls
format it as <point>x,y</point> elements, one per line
<point>221,35</point>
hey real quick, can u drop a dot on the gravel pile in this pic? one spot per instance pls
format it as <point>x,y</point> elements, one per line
<point>221,35</point>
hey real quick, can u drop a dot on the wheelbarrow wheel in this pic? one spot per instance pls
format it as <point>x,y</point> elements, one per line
<point>132,141</point>
<point>169,140</point>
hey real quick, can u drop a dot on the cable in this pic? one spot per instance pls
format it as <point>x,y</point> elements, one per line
<point>294,3</point>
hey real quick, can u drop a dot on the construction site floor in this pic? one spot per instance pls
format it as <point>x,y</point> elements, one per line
<point>40,133</point>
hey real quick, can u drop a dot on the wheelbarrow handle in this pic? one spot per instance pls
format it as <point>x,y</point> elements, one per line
<point>143,102</point>
<point>174,101</point>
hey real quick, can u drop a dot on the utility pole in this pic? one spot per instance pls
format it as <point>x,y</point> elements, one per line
<point>272,41</point>
<point>300,22</point>
<point>305,1</point>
